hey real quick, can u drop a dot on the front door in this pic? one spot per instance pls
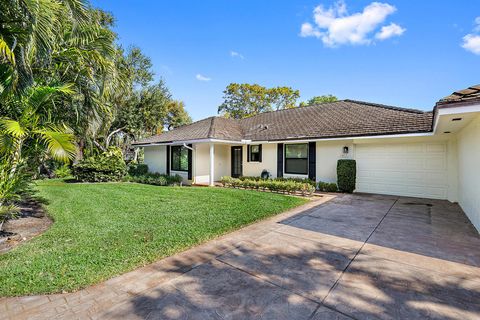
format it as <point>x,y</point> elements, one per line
<point>237,161</point>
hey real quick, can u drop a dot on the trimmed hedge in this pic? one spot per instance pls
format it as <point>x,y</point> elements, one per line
<point>346,175</point>
<point>109,166</point>
<point>327,186</point>
<point>137,169</point>
<point>285,185</point>
<point>156,179</point>
<point>300,180</point>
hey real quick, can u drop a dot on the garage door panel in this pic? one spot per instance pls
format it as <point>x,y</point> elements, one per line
<point>415,169</point>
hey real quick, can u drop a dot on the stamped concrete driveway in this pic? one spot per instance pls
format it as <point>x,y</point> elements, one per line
<point>345,257</point>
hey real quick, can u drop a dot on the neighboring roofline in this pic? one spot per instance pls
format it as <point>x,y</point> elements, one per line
<point>453,104</point>
<point>454,108</point>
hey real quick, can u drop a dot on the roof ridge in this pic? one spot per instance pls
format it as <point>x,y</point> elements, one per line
<point>212,120</point>
<point>379,105</point>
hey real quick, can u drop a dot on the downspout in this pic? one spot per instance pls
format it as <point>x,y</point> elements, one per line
<point>185,145</point>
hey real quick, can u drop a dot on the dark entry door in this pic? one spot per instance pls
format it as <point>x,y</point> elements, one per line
<point>237,161</point>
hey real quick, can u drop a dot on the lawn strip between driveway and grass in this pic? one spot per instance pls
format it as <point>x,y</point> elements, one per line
<point>101,230</point>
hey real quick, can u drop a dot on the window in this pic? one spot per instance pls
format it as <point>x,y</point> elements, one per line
<point>179,158</point>
<point>296,158</point>
<point>255,153</point>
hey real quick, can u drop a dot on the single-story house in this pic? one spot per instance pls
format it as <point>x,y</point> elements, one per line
<point>405,152</point>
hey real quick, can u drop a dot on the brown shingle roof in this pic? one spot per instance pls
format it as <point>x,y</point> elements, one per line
<point>346,118</point>
<point>471,94</point>
<point>212,127</point>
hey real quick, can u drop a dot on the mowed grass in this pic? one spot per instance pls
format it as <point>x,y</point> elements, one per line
<point>105,229</point>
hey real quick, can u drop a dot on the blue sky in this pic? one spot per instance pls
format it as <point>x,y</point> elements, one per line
<point>413,61</point>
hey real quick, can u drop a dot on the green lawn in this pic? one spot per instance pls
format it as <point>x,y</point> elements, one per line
<point>102,230</point>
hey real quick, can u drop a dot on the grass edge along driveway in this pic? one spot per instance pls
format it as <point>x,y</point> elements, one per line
<point>105,229</point>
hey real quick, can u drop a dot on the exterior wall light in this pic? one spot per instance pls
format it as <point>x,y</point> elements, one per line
<point>345,150</point>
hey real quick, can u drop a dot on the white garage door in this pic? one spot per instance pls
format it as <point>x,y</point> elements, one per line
<point>414,169</point>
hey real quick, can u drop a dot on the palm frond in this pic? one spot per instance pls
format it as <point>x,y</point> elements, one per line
<point>60,142</point>
<point>40,95</point>
<point>6,53</point>
<point>12,128</point>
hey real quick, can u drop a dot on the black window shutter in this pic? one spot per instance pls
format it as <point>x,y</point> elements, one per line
<point>312,160</point>
<point>189,162</point>
<point>259,153</point>
<point>168,160</point>
<point>280,160</point>
<point>248,153</point>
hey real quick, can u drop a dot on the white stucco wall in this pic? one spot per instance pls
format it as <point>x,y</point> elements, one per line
<point>201,163</point>
<point>269,161</point>
<point>468,146</point>
<point>328,153</point>
<point>222,161</point>
<point>155,157</point>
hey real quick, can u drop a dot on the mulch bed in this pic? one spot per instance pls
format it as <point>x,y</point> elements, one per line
<point>31,222</point>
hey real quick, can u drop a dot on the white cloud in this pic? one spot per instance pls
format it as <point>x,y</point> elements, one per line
<point>471,42</point>
<point>335,27</point>
<point>392,30</point>
<point>200,77</point>
<point>235,54</point>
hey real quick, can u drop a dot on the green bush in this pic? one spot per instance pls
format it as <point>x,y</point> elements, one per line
<point>346,175</point>
<point>63,172</point>
<point>109,166</point>
<point>137,169</point>
<point>283,185</point>
<point>327,186</point>
<point>156,179</point>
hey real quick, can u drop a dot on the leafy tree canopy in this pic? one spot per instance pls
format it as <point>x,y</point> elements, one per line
<point>318,100</point>
<point>246,100</point>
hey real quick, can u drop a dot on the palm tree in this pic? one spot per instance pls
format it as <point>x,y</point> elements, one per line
<point>27,35</point>
<point>31,135</point>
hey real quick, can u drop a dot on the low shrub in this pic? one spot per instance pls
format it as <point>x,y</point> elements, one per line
<point>327,186</point>
<point>301,180</point>
<point>346,175</point>
<point>283,185</point>
<point>137,169</point>
<point>284,179</point>
<point>109,166</point>
<point>63,172</point>
<point>156,179</point>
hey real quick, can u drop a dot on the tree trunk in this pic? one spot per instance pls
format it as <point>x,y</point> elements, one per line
<point>80,148</point>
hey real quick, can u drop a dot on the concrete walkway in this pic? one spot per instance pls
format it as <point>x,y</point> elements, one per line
<point>345,257</point>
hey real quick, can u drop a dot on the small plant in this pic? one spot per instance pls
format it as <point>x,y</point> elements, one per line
<point>63,172</point>
<point>346,175</point>
<point>327,186</point>
<point>9,211</point>
<point>14,184</point>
